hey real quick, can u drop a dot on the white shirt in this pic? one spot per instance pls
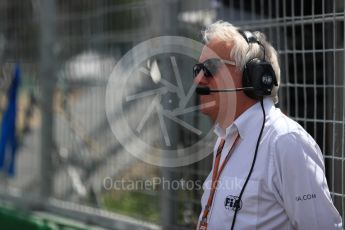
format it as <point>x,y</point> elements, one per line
<point>288,187</point>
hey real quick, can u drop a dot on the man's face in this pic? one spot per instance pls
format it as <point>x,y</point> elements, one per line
<point>226,76</point>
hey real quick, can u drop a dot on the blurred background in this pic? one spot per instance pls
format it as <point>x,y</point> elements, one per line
<point>62,166</point>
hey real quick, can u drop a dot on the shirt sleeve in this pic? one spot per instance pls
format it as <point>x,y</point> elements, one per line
<point>301,183</point>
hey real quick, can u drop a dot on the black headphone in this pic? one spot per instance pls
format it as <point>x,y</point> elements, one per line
<point>257,73</point>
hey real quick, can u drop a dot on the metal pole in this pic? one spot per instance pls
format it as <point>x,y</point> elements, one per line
<point>167,25</point>
<point>47,78</point>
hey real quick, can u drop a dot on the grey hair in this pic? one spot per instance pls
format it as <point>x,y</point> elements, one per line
<point>242,52</point>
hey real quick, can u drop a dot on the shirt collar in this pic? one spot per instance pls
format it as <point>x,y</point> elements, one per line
<point>228,131</point>
<point>246,121</point>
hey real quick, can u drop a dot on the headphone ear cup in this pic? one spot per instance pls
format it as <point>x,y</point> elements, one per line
<point>258,74</point>
<point>249,79</point>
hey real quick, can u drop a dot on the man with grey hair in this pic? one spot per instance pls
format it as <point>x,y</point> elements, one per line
<point>268,172</point>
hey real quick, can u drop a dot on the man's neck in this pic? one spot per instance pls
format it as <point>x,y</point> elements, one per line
<point>226,120</point>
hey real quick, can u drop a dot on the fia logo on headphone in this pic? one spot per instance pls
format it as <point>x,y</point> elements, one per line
<point>267,80</point>
<point>231,202</point>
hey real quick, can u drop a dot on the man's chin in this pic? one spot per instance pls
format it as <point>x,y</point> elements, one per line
<point>204,111</point>
<point>210,112</point>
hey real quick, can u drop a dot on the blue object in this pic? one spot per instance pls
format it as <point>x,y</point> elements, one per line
<point>8,143</point>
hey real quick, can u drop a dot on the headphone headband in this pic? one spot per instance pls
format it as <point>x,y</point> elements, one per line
<point>249,36</point>
<point>257,73</point>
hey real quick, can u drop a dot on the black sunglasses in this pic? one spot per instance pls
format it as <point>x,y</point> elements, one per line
<point>210,67</point>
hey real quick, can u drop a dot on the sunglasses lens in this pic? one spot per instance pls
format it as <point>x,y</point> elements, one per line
<point>212,66</point>
<point>209,67</point>
<point>207,72</point>
<point>196,69</point>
